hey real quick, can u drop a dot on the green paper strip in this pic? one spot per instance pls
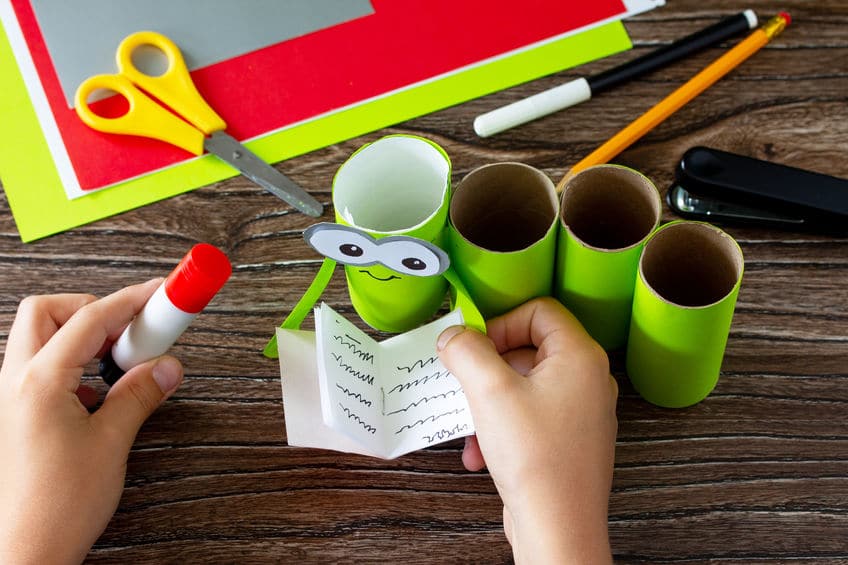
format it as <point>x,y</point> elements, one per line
<point>675,351</point>
<point>607,213</point>
<point>304,305</point>
<point>502,235</point>
<point>41,208</point>
<point>398,185</point>
<point>460,298</point>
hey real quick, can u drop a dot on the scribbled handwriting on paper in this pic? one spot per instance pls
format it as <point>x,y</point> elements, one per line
<point>349,379</point>
<point>420,381</point>
<point>357,395</point>
<point>444,435</point>
<point>419,364</point>
<point>353,372</point>
<point>430,418</point>
<point>355,347</point>
<point>424,400</point>
<point>391,397</point>
<point>352,416</point>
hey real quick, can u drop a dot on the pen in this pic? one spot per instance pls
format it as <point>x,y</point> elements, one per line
<point>584,88</point>
<point>677,99</point>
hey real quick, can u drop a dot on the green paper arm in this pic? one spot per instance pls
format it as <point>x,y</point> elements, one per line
<point>304,305</point>
<point>462,300</point>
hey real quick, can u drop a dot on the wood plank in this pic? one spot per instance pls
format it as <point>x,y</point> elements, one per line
<point>757,472</point>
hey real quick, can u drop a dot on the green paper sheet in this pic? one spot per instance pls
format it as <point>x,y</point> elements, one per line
<point>38,200</point>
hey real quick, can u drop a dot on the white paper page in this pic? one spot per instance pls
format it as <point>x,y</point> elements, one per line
<point>424,403</point>
<point>301,398</point>
<point>348,369</point>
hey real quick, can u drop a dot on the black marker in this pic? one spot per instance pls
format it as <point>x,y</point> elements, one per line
<point>582,89</point>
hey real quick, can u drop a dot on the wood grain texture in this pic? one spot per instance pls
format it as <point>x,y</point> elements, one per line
<point>757,472</point>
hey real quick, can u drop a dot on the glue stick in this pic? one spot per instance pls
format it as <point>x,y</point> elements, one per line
<point>171,309</point>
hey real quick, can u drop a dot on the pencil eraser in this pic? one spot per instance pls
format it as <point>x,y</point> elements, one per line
<point>751,16</point>
<point>786,17</point>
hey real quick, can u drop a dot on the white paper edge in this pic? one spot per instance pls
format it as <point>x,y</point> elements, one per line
<point>39,101</point>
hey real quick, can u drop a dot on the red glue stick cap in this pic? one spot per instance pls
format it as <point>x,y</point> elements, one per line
<point>197,278</point>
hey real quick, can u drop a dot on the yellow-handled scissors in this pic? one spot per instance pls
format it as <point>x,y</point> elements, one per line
<point>202,129</point>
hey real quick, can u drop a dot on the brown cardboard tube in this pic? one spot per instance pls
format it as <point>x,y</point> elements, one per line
<point>691,264</point>
<point>504,206</point>
<point>610,207</point>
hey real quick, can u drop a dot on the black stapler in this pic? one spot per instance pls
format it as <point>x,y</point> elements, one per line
<point>718,186</point>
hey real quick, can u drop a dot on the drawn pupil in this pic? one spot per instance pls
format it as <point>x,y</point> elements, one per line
<point>351,250</point>
<point>414,264</point>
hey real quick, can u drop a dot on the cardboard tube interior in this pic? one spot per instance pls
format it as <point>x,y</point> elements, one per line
<point>504,206</point>
<point>394,184</point>
<point>691,264</point>
<point>610,207</point>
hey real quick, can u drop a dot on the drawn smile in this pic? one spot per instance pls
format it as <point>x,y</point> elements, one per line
<point>367,272</point>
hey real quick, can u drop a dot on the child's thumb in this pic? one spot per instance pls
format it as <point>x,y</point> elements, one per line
<point>138,394</point>
<point>486,378</point>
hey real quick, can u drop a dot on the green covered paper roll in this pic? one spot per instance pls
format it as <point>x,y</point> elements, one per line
<point>502,235</point>
<point>398,185</point>
<point>607,213</point>
<point>689,278</point>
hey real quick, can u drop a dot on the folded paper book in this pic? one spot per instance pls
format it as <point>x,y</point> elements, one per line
<point>343,390</point>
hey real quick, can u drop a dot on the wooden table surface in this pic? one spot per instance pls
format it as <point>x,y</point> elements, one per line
<point>758,471</point>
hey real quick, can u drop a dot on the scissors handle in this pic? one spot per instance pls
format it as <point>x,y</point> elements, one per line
<point>144,117</point>
<point>147,118</point>
<point>174,87</point>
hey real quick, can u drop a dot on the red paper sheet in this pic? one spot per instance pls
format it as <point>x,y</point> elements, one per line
<point>402,43</point>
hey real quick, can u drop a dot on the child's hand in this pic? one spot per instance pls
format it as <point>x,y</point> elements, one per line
<point>548,439</point>
<point>63,469</point>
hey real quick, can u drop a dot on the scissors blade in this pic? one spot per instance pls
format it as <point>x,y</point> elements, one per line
<point>260,172</point>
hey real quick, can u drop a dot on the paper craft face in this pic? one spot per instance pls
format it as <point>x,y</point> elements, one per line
<point>399,255</point>
<point>388,271</point>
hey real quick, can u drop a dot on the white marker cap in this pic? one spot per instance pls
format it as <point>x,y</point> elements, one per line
<point>751,17</point>
<point>536,106</point>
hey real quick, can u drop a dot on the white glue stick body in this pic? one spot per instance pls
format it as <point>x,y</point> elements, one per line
<point>171,309</point>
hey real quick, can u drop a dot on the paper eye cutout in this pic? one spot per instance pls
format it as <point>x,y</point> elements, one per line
<point>346,245</point>
<point>351,250</point>
<point>410,256</point>
<point>402,254</point>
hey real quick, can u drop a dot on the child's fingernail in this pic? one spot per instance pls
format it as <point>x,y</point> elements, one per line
<point>447,335</point>
<point>168,374</point>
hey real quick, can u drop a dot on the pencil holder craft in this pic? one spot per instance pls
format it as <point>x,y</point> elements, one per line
<point>689,277</point>
<point>502,235</point>
<point>607,212</point>
<point>398,185</point>
<point>391,207</point>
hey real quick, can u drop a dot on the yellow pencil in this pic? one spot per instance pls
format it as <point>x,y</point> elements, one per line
<point>674,101</point>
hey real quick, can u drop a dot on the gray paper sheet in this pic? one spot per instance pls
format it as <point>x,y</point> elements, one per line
<point>82,35</point>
